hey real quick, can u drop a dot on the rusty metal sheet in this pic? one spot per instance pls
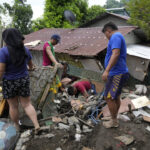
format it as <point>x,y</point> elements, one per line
<point>77,42</point>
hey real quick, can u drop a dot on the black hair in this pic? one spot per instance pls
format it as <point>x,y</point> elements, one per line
<point>109,25</point>
<point>14,42</point>
<point>71,90</point>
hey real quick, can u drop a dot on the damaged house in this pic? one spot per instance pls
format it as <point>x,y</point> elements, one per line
<point>82,48</point>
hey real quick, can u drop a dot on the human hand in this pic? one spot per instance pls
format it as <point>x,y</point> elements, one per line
<point>59,65</point>
<point>105,75</point>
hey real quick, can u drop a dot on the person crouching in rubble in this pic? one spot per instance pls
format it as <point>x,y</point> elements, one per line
<point>81,87</point>
<point>14,58</point>
<point>116,71</point>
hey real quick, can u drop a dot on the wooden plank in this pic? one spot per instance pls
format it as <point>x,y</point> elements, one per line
<point>43,98</point>
<point>123,108</point>
<point>147,119</point>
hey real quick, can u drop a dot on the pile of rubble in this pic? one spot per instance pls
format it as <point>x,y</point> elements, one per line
<point>79,116</point>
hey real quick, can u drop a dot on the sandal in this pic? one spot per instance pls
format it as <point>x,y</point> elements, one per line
<point>110,124</point>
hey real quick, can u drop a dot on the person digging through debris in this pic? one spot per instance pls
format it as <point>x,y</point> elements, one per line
<point>81,87</point>
<point>116,71</point>
<point>14,58</point>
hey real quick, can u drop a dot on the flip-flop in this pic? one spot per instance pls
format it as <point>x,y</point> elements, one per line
<point>110,124</point>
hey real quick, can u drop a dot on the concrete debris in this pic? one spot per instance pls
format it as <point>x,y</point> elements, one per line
<point>76,104</point>
<point>58,148</point>
<point>49,135</point>
<point>123,117</point>
<point>57,101</point>
<point>86,148</point>
<point>148,128</point>
<point>147,119</point>
<point>141,102</point>
<point>78,129</point>
<point>77,137</point>
<point>26,134</point>
<point>140,89</point>
<point>56,119</point>
<point>63,126</point>
<point>73,120</point>
<point>141,112</point>
<point>126,139</point>
<point>86,129</point>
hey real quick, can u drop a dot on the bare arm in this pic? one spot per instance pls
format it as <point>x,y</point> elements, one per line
<point>2,69</point>
<point>49,53</point>
<point>30,64</point>
<point>113,60</point>
<point>85,94</point>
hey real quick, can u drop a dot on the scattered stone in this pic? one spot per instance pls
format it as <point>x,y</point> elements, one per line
<point>86,129</point>
<point>58,148</point>
<point>78,129</point>
<point>148,128</point>
<point>123,117</point>
<point>26,134</point>
<point>23,147</point>
<point>77,137</point>
<point>65,120</point>
<point>86,148</point>
<point>73,120</point>
<point>125,90</point>
<point>56,119</point>
<point>63,126</point>
<point>50,135</point>
<point>126,139</point>
<point>57,101</point>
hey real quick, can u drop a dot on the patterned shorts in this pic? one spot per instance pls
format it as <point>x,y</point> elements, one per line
<point>114,85</point>
<point>18,87</point>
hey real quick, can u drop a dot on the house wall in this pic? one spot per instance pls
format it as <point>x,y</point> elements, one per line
<point>116,20</point>
<point>137,67</point>
<point>131,38</point>
<point>91,64</point>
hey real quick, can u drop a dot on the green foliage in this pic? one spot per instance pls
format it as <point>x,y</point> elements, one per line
<point>114,4</point>
<point>54,9</point>
<point>140,14</point>
<point>38,24</point>
<point>21,15</point>
<point>94,11</point>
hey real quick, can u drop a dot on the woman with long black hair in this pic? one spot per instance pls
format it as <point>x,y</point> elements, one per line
<point>14,59</point>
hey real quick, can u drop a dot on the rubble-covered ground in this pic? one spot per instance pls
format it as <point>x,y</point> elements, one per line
<point>73,129</point>
<point>99,139</point>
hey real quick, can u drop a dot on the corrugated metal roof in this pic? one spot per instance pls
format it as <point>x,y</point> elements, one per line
<point>139,51</point>
<point>77,42</point>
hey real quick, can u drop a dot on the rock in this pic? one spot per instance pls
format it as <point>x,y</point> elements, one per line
<point>26,134</point>
<point>65,120</point>
<point>63,126</point>
<point>148,128</point>
<point>125,90</point>
<point>50,135</point>
<point>86,148</point>
<point>126,139</point>
<point>73,120</point>
<point>58,148</point>
<point>86,129</point>
<point>123,117</point>
<point>78,129</point>
<point>23,147</point>
<point>77,137</point>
